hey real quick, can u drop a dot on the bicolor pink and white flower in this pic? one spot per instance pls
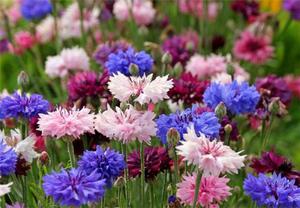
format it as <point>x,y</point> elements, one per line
<point>213,157</point>
<point>122,9</point>
<point>126,126</point>
<point>256,49</point>
<point>203,67</point>
<point>144,88</point>
<point>213,190</point>
<point>67,123</point>
<point>72,59</point>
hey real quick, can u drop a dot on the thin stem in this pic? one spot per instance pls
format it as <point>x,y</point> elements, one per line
<point>151,195</point>
<point>124,150</point>
<point>81,10</point>
<point>262,137</point>
<point>175,167</point>
<point>71,153</point>
<point>197,188</point>
<point>286,26</point>
<point>24,191</point>
<point>164,189</point>
<point>142,173</point>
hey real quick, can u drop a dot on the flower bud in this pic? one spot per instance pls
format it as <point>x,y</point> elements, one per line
<point>44,158</point>
<point>221,110</point>
<point>23,79</point>
<point>228,129</point>
<point>177,70</point>
<point>190,46</point>
<point>166,58</point>
<point>134,69</point>
<point>173,137</point>
<point>120,181</point>
<point>274,106</point>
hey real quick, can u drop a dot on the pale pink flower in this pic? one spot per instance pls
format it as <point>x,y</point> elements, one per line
<point>14,12</point>
<point>213,190</point>
<point>45,30</point>
<point>122,9</point>
<point>70,21</point>
<point>126,126</point>
<point>69,59</point>
<point>75,58</point>
<point>63,122</point>
<point>55,67</point>
<point>143,12</point>
<point>256,49</point>
<point>222,78</point>
<point>144,88</point>
<point>195,7</point>
<point>205,67</point>
<point>240,74</point>
<point>213,157</point>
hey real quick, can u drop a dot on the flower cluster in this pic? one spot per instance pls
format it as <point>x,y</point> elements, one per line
<point>238,98</point>
<point>122,60</point>
<point>8,159</point>
<point>204,123</point>
<point>35,9</point>
<point>22,105</point>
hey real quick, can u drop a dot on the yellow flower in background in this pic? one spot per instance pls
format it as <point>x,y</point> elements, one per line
<point>273,6</point>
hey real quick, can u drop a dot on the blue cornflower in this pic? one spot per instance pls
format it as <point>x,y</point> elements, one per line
<point>108,163</point>
<point>35,9</point>
<point>121,60</point>
<point>74,187</point>
<point>272,191</point>
<point>204,122</point>
<point>22,105</point>
<point>8,159</point>
<point>239,98</point>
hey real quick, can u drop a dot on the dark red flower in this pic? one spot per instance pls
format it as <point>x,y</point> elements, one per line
<point>188,89</point>
<point>33,126</point>
<point>248,8</point>
<point>293,175</point>
<point>181,47</point>
<point>89,84</point>
<point>270,162</point>
<point>22,167</point>
<point>156,160</point>
<point>217,42</point>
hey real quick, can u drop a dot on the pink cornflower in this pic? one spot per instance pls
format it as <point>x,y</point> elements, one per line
<point>253,48</point>
<point>143,12</point>
<point>205,67</point>
<point>45,30</point>
<point>23,41</point>
<point>213,190</point>
<point>213,157</point>
<point>63,122</point>
<point>195,7</point>
<point>144,88</point>
<point>122,9</point>
<point>126,126</point>
<point>69,59</point>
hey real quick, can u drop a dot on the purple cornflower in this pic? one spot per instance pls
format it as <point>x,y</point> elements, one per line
<point>181,47</point>
<point>35,9</point>
<point>8,159</point>
<point>272,191</point>
<point>121,61</point>
<point>74,187</point>
<point>203,122</point>
<point>293,6</point>
<point>109,163</point>
<point>22,105</point>
<point>238,98</point>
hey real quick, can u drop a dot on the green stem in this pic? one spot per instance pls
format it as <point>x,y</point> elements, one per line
<point>71,153</point>
<point>164,189</point>
<point>198,180</point>
<point>142,173</point>
<point>81,10</point>
<point>286,26</point>
<point>151,195</point>
<point>25,191</point>
<point>262,134</point>
<point>127,200</point>
<point>175,167</point>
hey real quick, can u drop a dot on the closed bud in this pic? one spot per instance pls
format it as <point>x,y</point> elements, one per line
<point>173,137</point>
<point>134,69</point>
<point>221,110</point>
<point>190,46</point>
<point>166,58</point>
<point>23,79</point>
<point>120,181</point>
<point>44,158</point>
<point>274,106</point>
<point>228,129</point>
<point>177,70</point>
